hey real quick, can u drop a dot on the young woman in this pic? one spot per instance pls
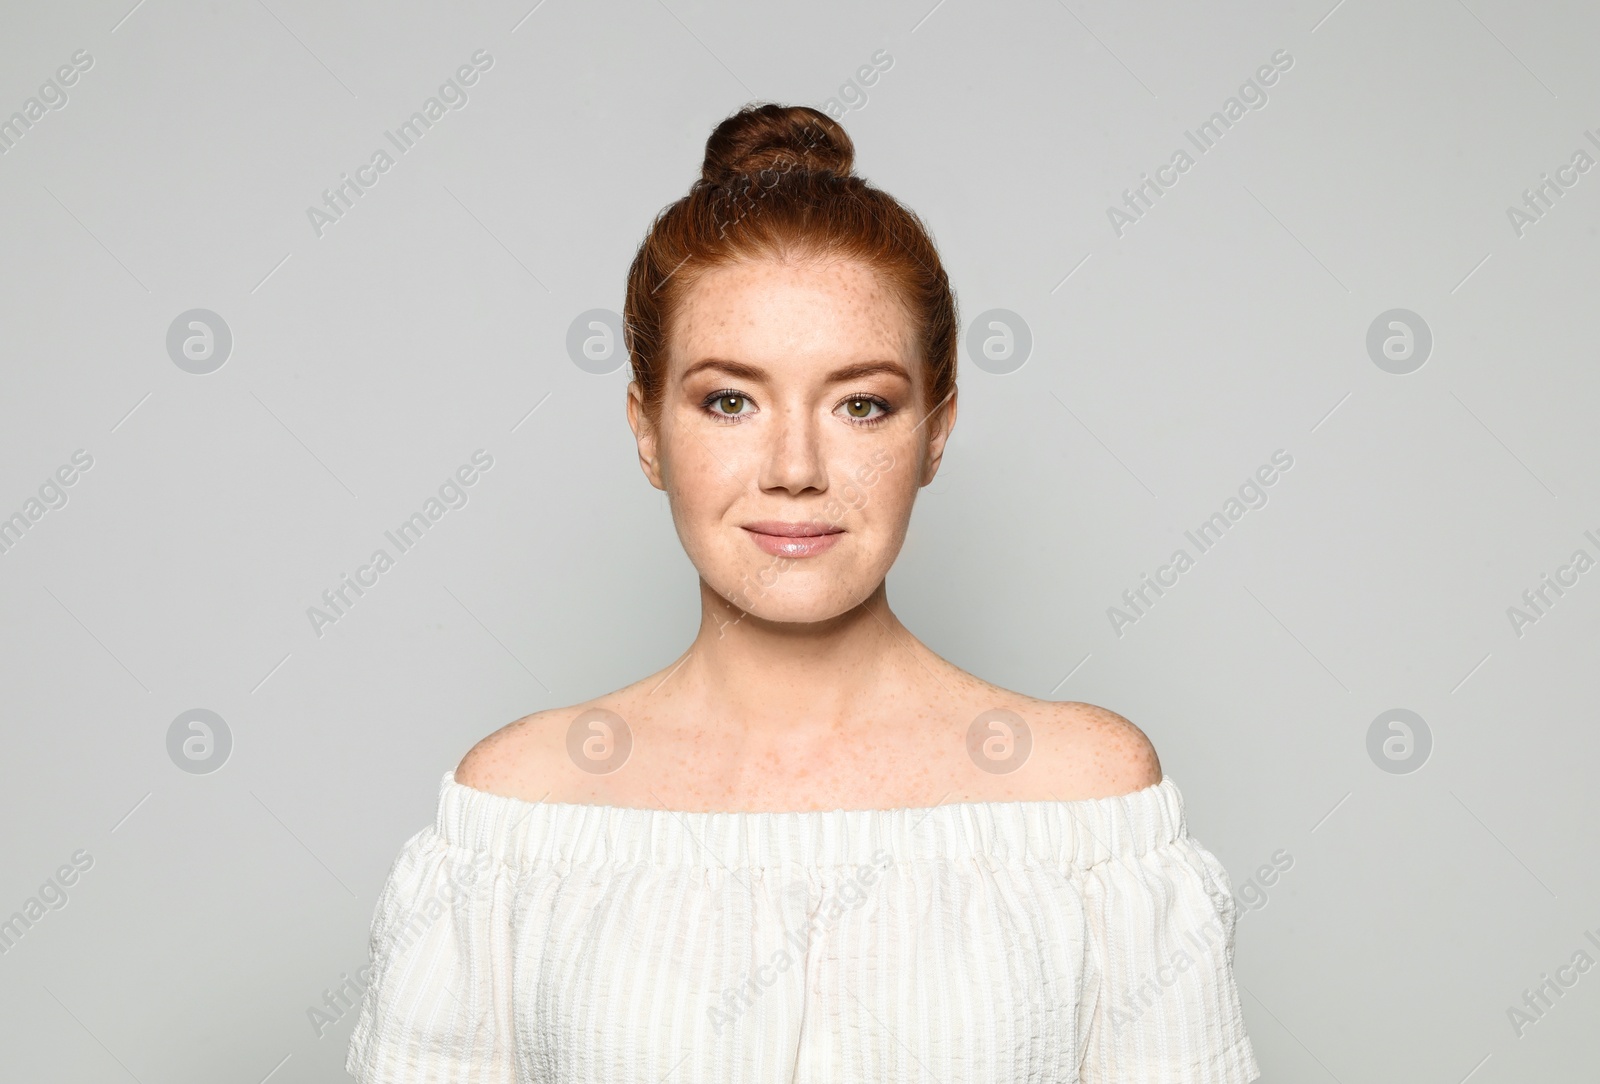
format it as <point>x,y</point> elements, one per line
<point>810,849</point>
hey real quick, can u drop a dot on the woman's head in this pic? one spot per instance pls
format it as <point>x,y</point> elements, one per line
<point>793,338</point>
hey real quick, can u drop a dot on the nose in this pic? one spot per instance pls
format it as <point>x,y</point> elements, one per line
<point>793,459</point>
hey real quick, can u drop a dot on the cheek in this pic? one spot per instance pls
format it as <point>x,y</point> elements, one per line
<point>895,496</point>
<point>878,495</point>
<point>702,486</point>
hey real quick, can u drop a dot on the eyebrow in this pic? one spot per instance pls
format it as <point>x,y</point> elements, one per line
<point>746,371</point>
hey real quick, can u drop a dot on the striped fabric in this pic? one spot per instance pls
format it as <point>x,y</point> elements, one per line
<point>996,942</point>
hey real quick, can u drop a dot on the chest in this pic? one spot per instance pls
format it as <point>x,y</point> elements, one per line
<point>861,768</point>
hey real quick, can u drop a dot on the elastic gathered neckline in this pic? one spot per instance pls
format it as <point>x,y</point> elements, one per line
<point>1079,833</point>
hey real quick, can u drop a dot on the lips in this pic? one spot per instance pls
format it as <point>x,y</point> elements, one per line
<point>782,539</point>
<point>782,529</point>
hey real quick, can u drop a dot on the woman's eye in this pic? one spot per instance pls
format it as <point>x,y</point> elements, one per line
<point>861,409</point>
<point>729,404</point>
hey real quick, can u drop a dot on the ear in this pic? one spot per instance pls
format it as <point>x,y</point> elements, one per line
<point>940,422</point>
<point>644,434</point>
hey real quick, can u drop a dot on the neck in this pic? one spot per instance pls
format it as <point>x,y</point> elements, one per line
<point>748,673</point>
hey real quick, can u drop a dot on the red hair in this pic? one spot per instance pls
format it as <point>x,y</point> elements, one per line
<point>777,183</point>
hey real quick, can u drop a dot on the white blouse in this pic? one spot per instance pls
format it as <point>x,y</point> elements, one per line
<point>994,942</point>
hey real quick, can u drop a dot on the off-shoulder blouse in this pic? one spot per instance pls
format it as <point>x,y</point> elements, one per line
<point>997,942</point>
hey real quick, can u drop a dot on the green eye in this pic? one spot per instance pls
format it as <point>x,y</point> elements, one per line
<point>733,401</point>
<point>859,409</point>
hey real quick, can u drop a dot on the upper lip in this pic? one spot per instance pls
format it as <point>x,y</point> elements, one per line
<point>793,530</point>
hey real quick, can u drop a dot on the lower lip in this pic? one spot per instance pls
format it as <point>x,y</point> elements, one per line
<point>802,546</point>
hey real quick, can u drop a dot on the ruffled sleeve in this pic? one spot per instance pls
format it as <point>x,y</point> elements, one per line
<point>438,1003</point>
<point>1160,1002</point>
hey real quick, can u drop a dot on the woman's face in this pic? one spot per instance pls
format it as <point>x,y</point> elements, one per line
<point>794,401</point>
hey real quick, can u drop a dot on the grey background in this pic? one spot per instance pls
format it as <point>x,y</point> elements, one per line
<point>1167,365</point>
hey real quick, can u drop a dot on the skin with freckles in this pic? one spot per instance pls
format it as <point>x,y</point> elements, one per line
<point>795,393</point>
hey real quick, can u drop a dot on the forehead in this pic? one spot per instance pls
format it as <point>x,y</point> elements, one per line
<point>768,311</point>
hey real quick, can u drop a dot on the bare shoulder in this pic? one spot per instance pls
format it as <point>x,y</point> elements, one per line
<point>1086,751</point>
<point>525,759</point>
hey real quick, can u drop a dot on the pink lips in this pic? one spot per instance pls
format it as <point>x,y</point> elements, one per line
<point>794,539</point>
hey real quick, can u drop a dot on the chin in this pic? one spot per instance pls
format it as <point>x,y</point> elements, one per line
<point>794,602</point>
<point>798,611</point>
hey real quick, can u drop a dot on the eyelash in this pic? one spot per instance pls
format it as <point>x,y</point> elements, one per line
<point>882,404</point>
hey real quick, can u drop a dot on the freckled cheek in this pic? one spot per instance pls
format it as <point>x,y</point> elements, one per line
<point>701,488</point>
<point>894,509</point>
<point>873,503</point>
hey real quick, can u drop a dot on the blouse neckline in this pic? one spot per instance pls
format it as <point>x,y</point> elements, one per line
<point>1079,832</point>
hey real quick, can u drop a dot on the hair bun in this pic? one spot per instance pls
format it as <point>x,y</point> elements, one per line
<point>780,137</point>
